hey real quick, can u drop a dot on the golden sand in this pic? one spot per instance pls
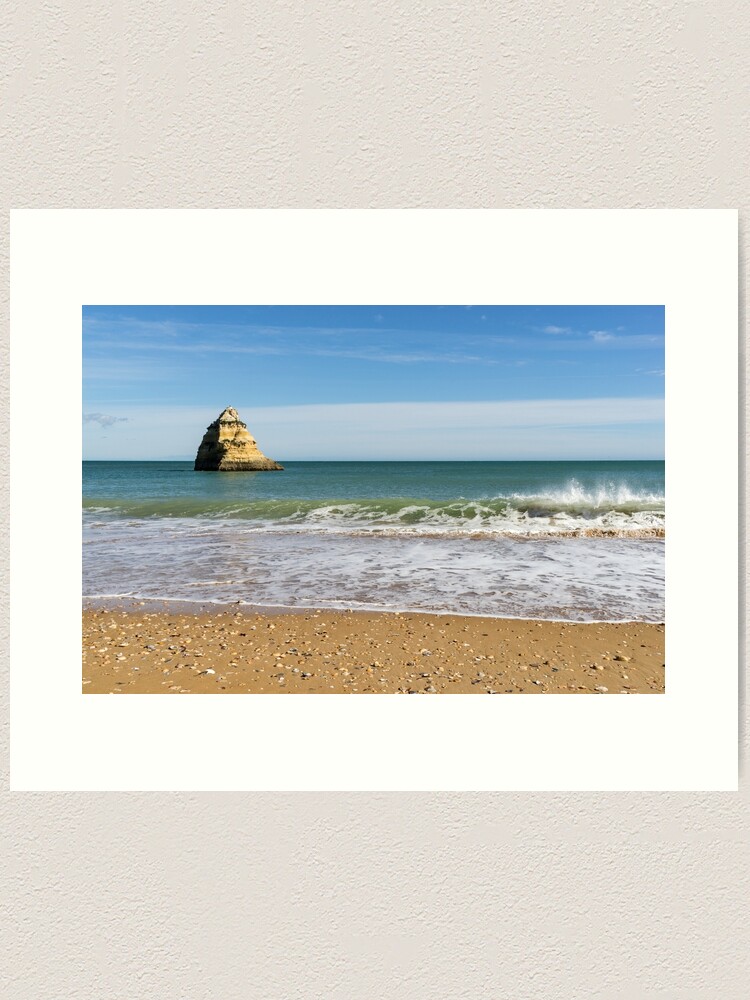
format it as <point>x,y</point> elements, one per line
<point>140,650</point>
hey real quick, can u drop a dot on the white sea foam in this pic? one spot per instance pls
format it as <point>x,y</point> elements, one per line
<point>574,579</point>
<point>611,509</point>
<point>418,521</point>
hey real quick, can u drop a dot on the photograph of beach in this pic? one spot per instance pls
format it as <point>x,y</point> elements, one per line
<point>373,499</point>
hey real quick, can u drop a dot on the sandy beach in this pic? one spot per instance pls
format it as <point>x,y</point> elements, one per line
<point>159,649</point>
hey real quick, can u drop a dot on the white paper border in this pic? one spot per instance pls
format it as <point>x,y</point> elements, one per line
<point>684,739</point>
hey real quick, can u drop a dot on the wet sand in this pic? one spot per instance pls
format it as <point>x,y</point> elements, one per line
<point>152,649</point>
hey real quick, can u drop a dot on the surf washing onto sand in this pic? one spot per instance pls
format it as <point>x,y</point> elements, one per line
<point>572,541</point>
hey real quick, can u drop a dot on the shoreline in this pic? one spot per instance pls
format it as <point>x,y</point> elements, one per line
<point>472,535</point>
<point>141,646</point>
<point>180,605</point>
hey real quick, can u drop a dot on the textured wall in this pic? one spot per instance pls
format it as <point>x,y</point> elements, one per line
<point>357,104</point>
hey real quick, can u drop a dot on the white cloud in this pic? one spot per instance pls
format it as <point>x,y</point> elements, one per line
<point>410,431</point>
<point>505,414</point>
<point>636,341</point>
<point>556,329</point>
<point>103,419</point>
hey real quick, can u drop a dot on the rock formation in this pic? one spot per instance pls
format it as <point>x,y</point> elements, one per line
<point>228,446</point>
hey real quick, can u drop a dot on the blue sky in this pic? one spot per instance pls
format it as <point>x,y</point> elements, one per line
<point>401,382</point>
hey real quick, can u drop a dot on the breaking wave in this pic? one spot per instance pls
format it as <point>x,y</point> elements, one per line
<point>612,511</point>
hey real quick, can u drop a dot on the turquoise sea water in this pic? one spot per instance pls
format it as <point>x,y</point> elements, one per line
<point>455,495</point>
<point>571,540</point>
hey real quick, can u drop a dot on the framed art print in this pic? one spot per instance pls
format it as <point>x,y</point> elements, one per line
<point>332,459</point>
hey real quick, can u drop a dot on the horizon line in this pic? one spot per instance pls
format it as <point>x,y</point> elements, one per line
<point>394,461</point>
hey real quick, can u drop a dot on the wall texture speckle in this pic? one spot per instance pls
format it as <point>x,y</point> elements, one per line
<point>534,897</point>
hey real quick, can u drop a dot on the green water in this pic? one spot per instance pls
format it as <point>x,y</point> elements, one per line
<point>402,492</point>
<point>577,541</point>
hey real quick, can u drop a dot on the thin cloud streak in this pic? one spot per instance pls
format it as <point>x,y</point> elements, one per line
<point>282,351</point>
<point>116,326</point>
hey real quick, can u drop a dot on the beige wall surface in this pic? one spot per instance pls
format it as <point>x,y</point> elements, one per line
<point>526,896</point>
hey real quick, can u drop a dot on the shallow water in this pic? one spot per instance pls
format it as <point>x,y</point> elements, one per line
<point>565,579</point>
<point>472,538</point>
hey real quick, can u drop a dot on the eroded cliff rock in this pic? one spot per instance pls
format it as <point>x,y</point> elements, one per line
<point>228,446</point>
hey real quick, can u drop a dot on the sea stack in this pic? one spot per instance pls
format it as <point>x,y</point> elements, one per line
<point>228,446</point>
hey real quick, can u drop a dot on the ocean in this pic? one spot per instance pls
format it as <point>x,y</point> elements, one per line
<point>569,541</point>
